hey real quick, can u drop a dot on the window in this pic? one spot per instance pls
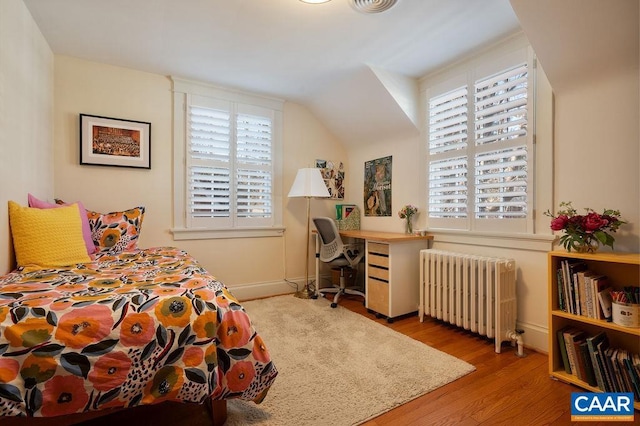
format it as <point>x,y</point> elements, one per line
<point>479,149</point>
<point>229,147</point>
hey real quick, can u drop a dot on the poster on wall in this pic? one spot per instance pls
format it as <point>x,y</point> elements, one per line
<point>377,187</point>
<point>333,175</point>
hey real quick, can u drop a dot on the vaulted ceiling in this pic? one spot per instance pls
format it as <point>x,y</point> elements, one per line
<point>337,61</point>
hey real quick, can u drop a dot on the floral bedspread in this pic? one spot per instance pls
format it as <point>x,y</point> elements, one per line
<point>134,328</point>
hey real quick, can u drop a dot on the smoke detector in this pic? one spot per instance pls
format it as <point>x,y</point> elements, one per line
<point>372,6</point>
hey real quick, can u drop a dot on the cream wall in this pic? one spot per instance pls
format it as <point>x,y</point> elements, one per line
<point>251,267</point>
<point>26,115</point>
<point>598,149</point>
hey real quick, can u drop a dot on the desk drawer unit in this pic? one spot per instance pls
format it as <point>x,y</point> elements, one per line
<point>378,278</point>
<point>393,277</point>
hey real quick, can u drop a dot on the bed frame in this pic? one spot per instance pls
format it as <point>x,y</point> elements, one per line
<point>217,410</point>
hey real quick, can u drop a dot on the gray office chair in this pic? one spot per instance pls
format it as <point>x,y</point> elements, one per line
<point>335,253</point>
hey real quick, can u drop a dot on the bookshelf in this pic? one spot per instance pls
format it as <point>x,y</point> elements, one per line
<point>621,270</point>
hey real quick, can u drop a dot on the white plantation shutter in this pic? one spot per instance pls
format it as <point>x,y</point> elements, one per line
<point>501,106</point>
<point>448,121</point>
<point>501,103</point>
<point>448,188</point>
<point>254,165</point>
<point>447,170</point>
<point>229,164</point>
<point>501,183</point>
<point>209,184</point>
<point>478,171</point>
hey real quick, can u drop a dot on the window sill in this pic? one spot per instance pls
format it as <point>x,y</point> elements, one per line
<point>210,234</point>
<point>534,242</point>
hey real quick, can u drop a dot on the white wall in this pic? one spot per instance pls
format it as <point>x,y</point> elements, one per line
<point>251,267</point>
<point>26,115</point>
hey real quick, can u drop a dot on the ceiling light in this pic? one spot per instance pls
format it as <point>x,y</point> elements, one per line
<point>314,1</point>
<point>372,6</point>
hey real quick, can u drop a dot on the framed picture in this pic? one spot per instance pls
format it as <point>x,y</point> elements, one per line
<point>333,176</point>
<point>377,187</point>
<point>108,141</point>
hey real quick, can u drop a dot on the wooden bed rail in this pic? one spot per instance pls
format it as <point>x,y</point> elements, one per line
<point>216,410</point>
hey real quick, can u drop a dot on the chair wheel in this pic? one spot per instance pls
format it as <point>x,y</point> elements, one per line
<point>334,305</point>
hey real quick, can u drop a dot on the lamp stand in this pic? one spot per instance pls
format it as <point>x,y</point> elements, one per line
<point>305,293</point>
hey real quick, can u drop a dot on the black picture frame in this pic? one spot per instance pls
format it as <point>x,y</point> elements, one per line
<point>107,141</point>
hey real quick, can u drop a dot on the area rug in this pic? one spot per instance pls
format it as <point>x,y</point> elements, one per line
<point>337,367</point>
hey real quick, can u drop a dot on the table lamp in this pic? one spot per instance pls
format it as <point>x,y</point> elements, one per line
<point>308,184</point>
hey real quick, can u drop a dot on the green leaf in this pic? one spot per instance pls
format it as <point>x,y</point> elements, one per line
<point>174,356</point>
<point>76,364</point>
<point>239,353</point>
<point>195,375</point>
<point>148,350</point>
<point>52,349</point>
<point>100,348</point>
<point>10,392</point>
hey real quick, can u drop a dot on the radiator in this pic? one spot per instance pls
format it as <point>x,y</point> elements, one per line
<point>473,292</point>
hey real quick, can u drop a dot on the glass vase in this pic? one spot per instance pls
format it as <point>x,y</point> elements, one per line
<point>587,244</point>
<point>409,226</point>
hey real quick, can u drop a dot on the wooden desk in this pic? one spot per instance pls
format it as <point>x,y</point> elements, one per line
<point>392,270</point>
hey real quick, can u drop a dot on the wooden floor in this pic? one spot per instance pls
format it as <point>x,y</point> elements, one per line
<point>504,389</point>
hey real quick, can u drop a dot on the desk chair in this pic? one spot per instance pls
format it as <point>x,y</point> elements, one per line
<point>335,253</point>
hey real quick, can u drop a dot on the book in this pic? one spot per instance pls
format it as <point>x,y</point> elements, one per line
<point>605,299</point>
<point>562,298</point>
<point>633,375</point>
<point>584,294</point>
<point>570,337</point>
<point>586,364</point>
<point>598,284</point>
<point>574,268</point>
<point>563,350</point>
<point>592,343</point>
<point>601,346</point>
<point>568,289</point>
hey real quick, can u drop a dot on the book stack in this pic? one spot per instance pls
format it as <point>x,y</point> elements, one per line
<point>592,360</point>
<point>583,292</point>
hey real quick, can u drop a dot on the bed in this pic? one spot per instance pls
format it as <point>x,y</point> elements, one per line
<point>128,327</point>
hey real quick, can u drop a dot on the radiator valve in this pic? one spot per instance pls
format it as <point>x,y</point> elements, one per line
<point>516,337</point>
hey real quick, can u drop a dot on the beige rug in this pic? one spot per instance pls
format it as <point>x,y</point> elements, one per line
<point>337,367</point>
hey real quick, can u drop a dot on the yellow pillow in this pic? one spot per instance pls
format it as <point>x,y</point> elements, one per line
<point>51,237</point>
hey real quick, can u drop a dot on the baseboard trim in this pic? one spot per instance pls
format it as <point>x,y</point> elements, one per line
<point>266,289</point>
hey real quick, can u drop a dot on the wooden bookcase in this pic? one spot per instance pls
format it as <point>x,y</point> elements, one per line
<point>622,269</point>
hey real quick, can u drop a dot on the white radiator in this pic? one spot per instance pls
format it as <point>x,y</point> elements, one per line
<point>473,292</point>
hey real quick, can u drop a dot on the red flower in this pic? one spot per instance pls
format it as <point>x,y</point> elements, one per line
<point>559,223</point>
<point>84,326</point>
<point>593,222</point>
<point>110,371</point>
<point>137,329</point>
<point>63,395</point>
<point>260,351</point>
<point>235,329</point>
<point>240,376</point>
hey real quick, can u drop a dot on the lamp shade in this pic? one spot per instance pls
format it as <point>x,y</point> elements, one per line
<point>309,183</point>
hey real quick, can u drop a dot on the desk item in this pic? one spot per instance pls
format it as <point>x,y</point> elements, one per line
<point>392,272</point>
<point>348,217</point>
<point>334,252</point>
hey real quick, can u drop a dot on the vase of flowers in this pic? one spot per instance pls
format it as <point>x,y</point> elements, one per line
<point>407,213</point>
<point>585,233</point>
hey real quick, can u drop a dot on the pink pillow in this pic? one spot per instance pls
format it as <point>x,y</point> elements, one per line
<point>86,231</point>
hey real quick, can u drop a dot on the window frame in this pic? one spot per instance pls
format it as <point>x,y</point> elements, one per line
<point>466,74</point>
<point>184,228</point>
